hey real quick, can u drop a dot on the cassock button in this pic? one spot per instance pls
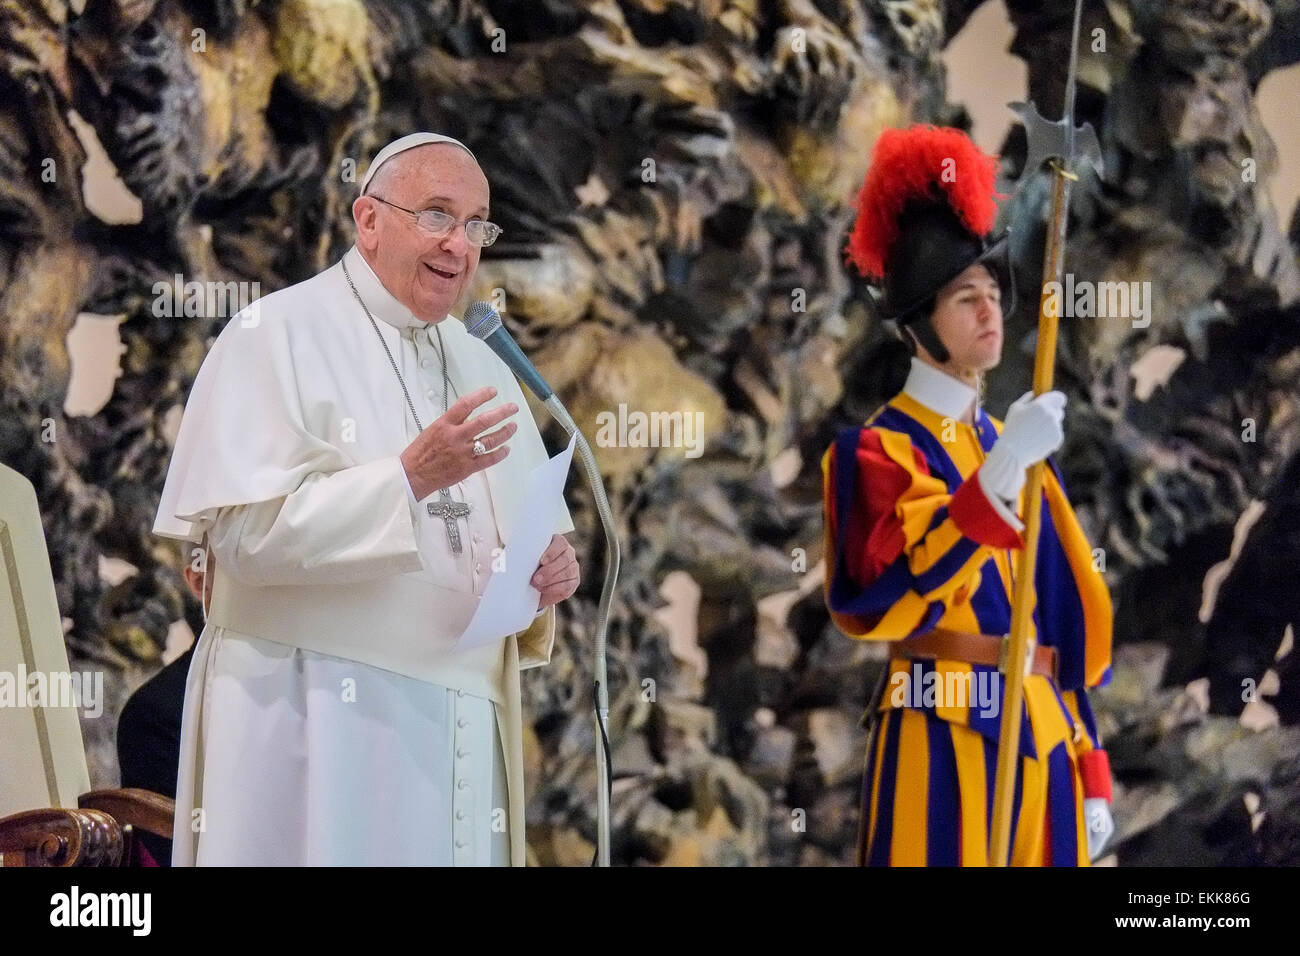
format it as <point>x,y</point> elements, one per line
<point>460,693</point>
<point>425,363</point>
<point>462,723</point>
<point>462,784</point>
<point>429,394</point>
<point>478,568</point>
<point>460,814</point>
<point>462,753</point>
<point>460,844</point>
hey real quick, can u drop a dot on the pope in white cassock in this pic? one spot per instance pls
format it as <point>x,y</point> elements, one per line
<point>343,453</point>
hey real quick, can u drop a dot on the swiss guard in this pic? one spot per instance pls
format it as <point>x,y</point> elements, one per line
<point>922,509</point>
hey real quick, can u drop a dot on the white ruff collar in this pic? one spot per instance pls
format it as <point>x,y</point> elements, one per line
<point>939,391</point>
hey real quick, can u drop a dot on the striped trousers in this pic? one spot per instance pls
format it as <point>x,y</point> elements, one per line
<point>927,794</point>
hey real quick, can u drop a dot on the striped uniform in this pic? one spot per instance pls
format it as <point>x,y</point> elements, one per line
<point>912,544</point>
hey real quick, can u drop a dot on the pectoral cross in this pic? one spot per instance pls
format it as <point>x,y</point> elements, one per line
<point>449,511</point>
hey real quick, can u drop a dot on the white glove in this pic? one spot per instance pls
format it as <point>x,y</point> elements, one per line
<point>1100,824</point>
<point>1033,430</point>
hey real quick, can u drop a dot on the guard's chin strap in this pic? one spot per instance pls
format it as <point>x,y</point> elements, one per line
<point>924,333</point>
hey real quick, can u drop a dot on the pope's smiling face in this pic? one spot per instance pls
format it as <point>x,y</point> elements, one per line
<point>426,273</point>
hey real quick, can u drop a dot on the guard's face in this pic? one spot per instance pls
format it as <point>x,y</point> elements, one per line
<point>968,319</point>
<point>427,273</point>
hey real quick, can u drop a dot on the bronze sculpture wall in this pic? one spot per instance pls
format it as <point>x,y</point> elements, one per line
<point>675,180</point>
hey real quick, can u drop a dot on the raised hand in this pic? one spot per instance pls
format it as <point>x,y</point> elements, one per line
<point>443,453</point>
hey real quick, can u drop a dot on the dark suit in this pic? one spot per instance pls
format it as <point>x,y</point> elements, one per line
<point>149,740</point>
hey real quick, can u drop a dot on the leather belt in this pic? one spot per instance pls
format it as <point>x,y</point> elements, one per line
<point>973,649</point>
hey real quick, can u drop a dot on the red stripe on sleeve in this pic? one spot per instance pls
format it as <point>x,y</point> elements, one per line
<point>1094,772</point>
<point>976,518</point>
<point>875,533</point>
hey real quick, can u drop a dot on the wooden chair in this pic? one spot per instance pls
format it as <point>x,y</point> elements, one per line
<point>48,814</point>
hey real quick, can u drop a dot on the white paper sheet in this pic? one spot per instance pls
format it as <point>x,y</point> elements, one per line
<point>509,602</point>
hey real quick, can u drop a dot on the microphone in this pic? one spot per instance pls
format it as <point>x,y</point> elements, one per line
<point>484,323</point>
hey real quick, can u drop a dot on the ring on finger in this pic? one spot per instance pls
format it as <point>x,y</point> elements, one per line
<point>479,447</point>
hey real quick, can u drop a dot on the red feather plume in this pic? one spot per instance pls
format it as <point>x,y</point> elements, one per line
<point>910,164</point>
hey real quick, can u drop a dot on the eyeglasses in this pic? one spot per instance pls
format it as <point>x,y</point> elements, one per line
<point>479,232</point>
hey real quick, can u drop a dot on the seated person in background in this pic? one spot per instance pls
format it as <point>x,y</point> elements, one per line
<point>149,728</point>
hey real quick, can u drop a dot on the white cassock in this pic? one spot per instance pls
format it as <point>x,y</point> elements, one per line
<point>328,718</point>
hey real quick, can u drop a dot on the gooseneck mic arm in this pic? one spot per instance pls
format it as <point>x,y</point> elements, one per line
<point>484,323</point>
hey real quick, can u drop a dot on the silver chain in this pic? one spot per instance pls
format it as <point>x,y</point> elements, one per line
<point>446,380</point>
<point>449,510</point>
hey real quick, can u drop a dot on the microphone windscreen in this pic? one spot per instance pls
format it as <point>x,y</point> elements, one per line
<point>482,320</point>
<point>484,323</point>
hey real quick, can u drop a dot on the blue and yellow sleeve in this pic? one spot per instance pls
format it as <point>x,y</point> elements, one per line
<point>900,545</point>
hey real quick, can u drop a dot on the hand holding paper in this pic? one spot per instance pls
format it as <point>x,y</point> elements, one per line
<point>557,575</point>
<point>510,601</point>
